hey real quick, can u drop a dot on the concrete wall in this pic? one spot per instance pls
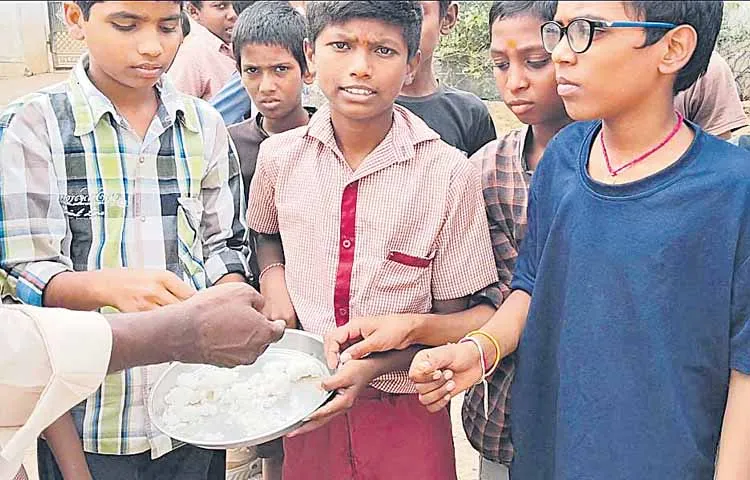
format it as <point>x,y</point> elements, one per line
<point>23,36</point>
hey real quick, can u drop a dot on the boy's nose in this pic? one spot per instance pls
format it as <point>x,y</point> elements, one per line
<point>517,79</point>
<point>231,14</point>
<point>150,46</point>
<point>562,52</point>
<point>360,65</point>
<point>267,84</point>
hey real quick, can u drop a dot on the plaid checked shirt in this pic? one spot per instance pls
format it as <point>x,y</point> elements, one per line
<point>79,190</point>
<point>505,186</point>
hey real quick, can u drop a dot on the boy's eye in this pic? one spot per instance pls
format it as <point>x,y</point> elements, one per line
<point>169,28</point>
<point>502,66</point>
<point>282,69</point>
<point>339,45</point>
<point>251,70</point>
<point>123,28</point>
<point>538,64</point>
<point>384,51</point>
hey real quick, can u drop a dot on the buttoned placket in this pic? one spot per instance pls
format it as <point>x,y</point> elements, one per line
<point>140,173</point>
<point>374,162</point>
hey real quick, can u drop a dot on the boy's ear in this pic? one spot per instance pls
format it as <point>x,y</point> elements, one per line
<point>412,66</point>
<point>308,77</point>
<point>449,20</point>
<point>680,43</point>
<point>193,11</point>
<point>74,20</point>
<point>310,57</point>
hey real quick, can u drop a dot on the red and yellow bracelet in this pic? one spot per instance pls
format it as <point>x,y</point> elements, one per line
<point>488,371</point>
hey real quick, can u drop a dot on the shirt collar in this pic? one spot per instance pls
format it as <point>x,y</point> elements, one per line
<point>524,135</point>
<point>89,104</point>
<point>206,38</point>
<point>407,131</point>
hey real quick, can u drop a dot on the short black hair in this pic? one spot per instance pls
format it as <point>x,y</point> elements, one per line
<point>185,23</point>
<point>197,4</point>
<point>406,15</point>
<point>271,23</point>
<point>85,6</point>
<point>703,16</point>
<point>444,4</point>
<point>241,5</point>
<point>544,10</point>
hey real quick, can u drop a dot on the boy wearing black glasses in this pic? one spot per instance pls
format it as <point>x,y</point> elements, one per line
<point>630,304</point>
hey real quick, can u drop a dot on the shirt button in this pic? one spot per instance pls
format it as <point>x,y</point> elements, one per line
<point>347,243</point>
<point>343,312</point>
<point>141,159</point>
<point>143,219</point>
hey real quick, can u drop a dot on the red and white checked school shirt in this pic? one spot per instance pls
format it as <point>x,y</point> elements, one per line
<point>406,228</point>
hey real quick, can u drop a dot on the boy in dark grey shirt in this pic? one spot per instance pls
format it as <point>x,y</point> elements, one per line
<point>461,118</point>
<point>268,43</point>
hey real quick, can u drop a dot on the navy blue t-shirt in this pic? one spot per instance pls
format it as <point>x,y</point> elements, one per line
<point>640,306</point>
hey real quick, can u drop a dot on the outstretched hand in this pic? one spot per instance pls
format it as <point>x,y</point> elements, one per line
<point>441,373</point>
<point>363,336</point>
<point>348,382</point>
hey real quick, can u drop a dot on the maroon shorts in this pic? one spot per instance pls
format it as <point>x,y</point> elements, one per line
<point>384,436</point>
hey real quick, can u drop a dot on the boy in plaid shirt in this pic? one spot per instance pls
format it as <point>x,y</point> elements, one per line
<point>118,191</point>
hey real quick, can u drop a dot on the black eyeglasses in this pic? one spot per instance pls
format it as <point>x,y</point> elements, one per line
<point>580,32</point>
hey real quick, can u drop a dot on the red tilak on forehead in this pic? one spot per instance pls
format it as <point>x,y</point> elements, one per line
<point>511,43</point>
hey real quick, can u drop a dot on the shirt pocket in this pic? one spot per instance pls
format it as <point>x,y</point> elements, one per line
<point>410,260</point>
<point>404,281</point>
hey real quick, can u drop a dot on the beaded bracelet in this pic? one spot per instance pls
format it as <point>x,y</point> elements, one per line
<point>268,267</point>
<point>494,342</point>
<point>483,378</point>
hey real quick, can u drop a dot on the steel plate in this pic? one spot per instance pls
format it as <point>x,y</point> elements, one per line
<point>310,397</point>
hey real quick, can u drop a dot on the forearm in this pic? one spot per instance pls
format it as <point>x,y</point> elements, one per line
<point>273,279</point>
<point>62,438</point>
<point>734,462</point>
<point>134,336</point>
<point>438,329</point>
<point>76,291</point>
<point>231,278</point>
<point>268,249</point>
<point>507,324</point>
<point>393,361</point>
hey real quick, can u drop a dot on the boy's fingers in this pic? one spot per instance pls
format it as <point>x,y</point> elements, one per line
<point>323,415</point>
<point>436,395</point>
<point>424,388</point>
<point>439,405</point>
<point>422,374</point>
<point>426,362</point>
<point>362,349</point>
<point>424,368</point>
<point>336,339</point>
<point>332,344</point>
<point>340,403</point>
<point>165,297</point>
<point>332,354</point>
<point>336,381</point>
<point>177,287</point>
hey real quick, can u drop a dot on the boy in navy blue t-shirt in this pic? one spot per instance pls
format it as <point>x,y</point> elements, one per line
<point>630,306</point>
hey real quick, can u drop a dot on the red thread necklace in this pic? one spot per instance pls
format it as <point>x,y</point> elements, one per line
<point>619,169</point>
